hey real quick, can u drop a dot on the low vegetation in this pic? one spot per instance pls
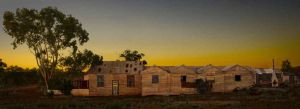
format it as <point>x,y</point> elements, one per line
<point>48,33</point>
<point>266,99</point>
<point>14,76</point>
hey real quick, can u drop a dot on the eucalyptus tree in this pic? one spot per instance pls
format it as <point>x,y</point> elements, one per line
<point>286,66</point>
<point>48,33</point>
<point>132,55</point>
<point>80,61</point>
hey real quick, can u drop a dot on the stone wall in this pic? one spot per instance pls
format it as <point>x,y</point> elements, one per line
<point>119,67</point>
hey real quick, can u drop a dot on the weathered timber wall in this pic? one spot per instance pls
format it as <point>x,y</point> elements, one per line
<point>107,89</point>
<point>80,92</point>
<point>160,88</point>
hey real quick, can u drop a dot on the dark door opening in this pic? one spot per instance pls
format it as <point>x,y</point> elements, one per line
<point>115,87</point>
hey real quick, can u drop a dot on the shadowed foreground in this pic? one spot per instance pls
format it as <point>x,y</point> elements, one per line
<point>31,98</point>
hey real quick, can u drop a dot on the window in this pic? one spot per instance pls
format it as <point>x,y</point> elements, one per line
<point>130,65</point>
<point>135,69</point>
<point>183,79</point>
<point>127,65</point>
<point>237,78</point>
<point>126,71</point>
<point>155,79</point>
<point>130,81</point>
<point>100,80</point>
<point>99,69</point>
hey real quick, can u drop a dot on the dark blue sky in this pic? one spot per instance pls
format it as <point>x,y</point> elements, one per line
<point>173,32</point>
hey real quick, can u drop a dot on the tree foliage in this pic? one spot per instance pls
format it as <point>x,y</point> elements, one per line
<point>73,66</point>
<point>202,86</point>
<point>296,70</point>
<point>132,55</point>
<point>79,61</point>
<point>47,33</point>
<point>61,81</point>
<point>286,66</point>
<point>2,65</point>
<point>15,76</point>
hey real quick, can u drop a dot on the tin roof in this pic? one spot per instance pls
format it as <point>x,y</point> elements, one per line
<point>266,71</point>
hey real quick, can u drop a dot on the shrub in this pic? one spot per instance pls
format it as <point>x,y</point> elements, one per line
<point>61,82</point>
<point>15,78</point>
<point>67,87</point>
<point>202,86</point>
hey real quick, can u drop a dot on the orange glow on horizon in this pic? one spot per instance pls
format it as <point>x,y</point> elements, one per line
<point>194,33</point>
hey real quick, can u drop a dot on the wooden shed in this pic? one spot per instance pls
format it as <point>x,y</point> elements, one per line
<point>237,77</point>
<point>155,81</point>
<point>214,76</point>
<point>226,79</point>
<point>172,80</point>
<point>114,78</point>
<point>182,80</point>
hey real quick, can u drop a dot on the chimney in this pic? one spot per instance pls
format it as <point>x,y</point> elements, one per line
<point>274,77</point>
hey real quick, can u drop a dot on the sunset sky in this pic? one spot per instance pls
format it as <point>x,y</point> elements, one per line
<point>176,32</point>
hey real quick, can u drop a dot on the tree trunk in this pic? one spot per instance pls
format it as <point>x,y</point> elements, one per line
<point>46,84</point>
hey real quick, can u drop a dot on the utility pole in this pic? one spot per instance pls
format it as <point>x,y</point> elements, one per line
<point>273,66</point>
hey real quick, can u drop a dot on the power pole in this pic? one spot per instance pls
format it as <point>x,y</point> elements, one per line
<point>273,66</point>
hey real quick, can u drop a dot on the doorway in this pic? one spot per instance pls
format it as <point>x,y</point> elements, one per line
<point>115,87</point>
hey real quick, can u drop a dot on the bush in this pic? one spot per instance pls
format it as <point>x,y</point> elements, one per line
<point>67,87</point>
<point>14,78</point>
<point>202,86</point>
<point>61,82</point>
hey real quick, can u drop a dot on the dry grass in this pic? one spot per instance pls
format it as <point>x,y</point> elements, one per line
<point>31,98</point>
